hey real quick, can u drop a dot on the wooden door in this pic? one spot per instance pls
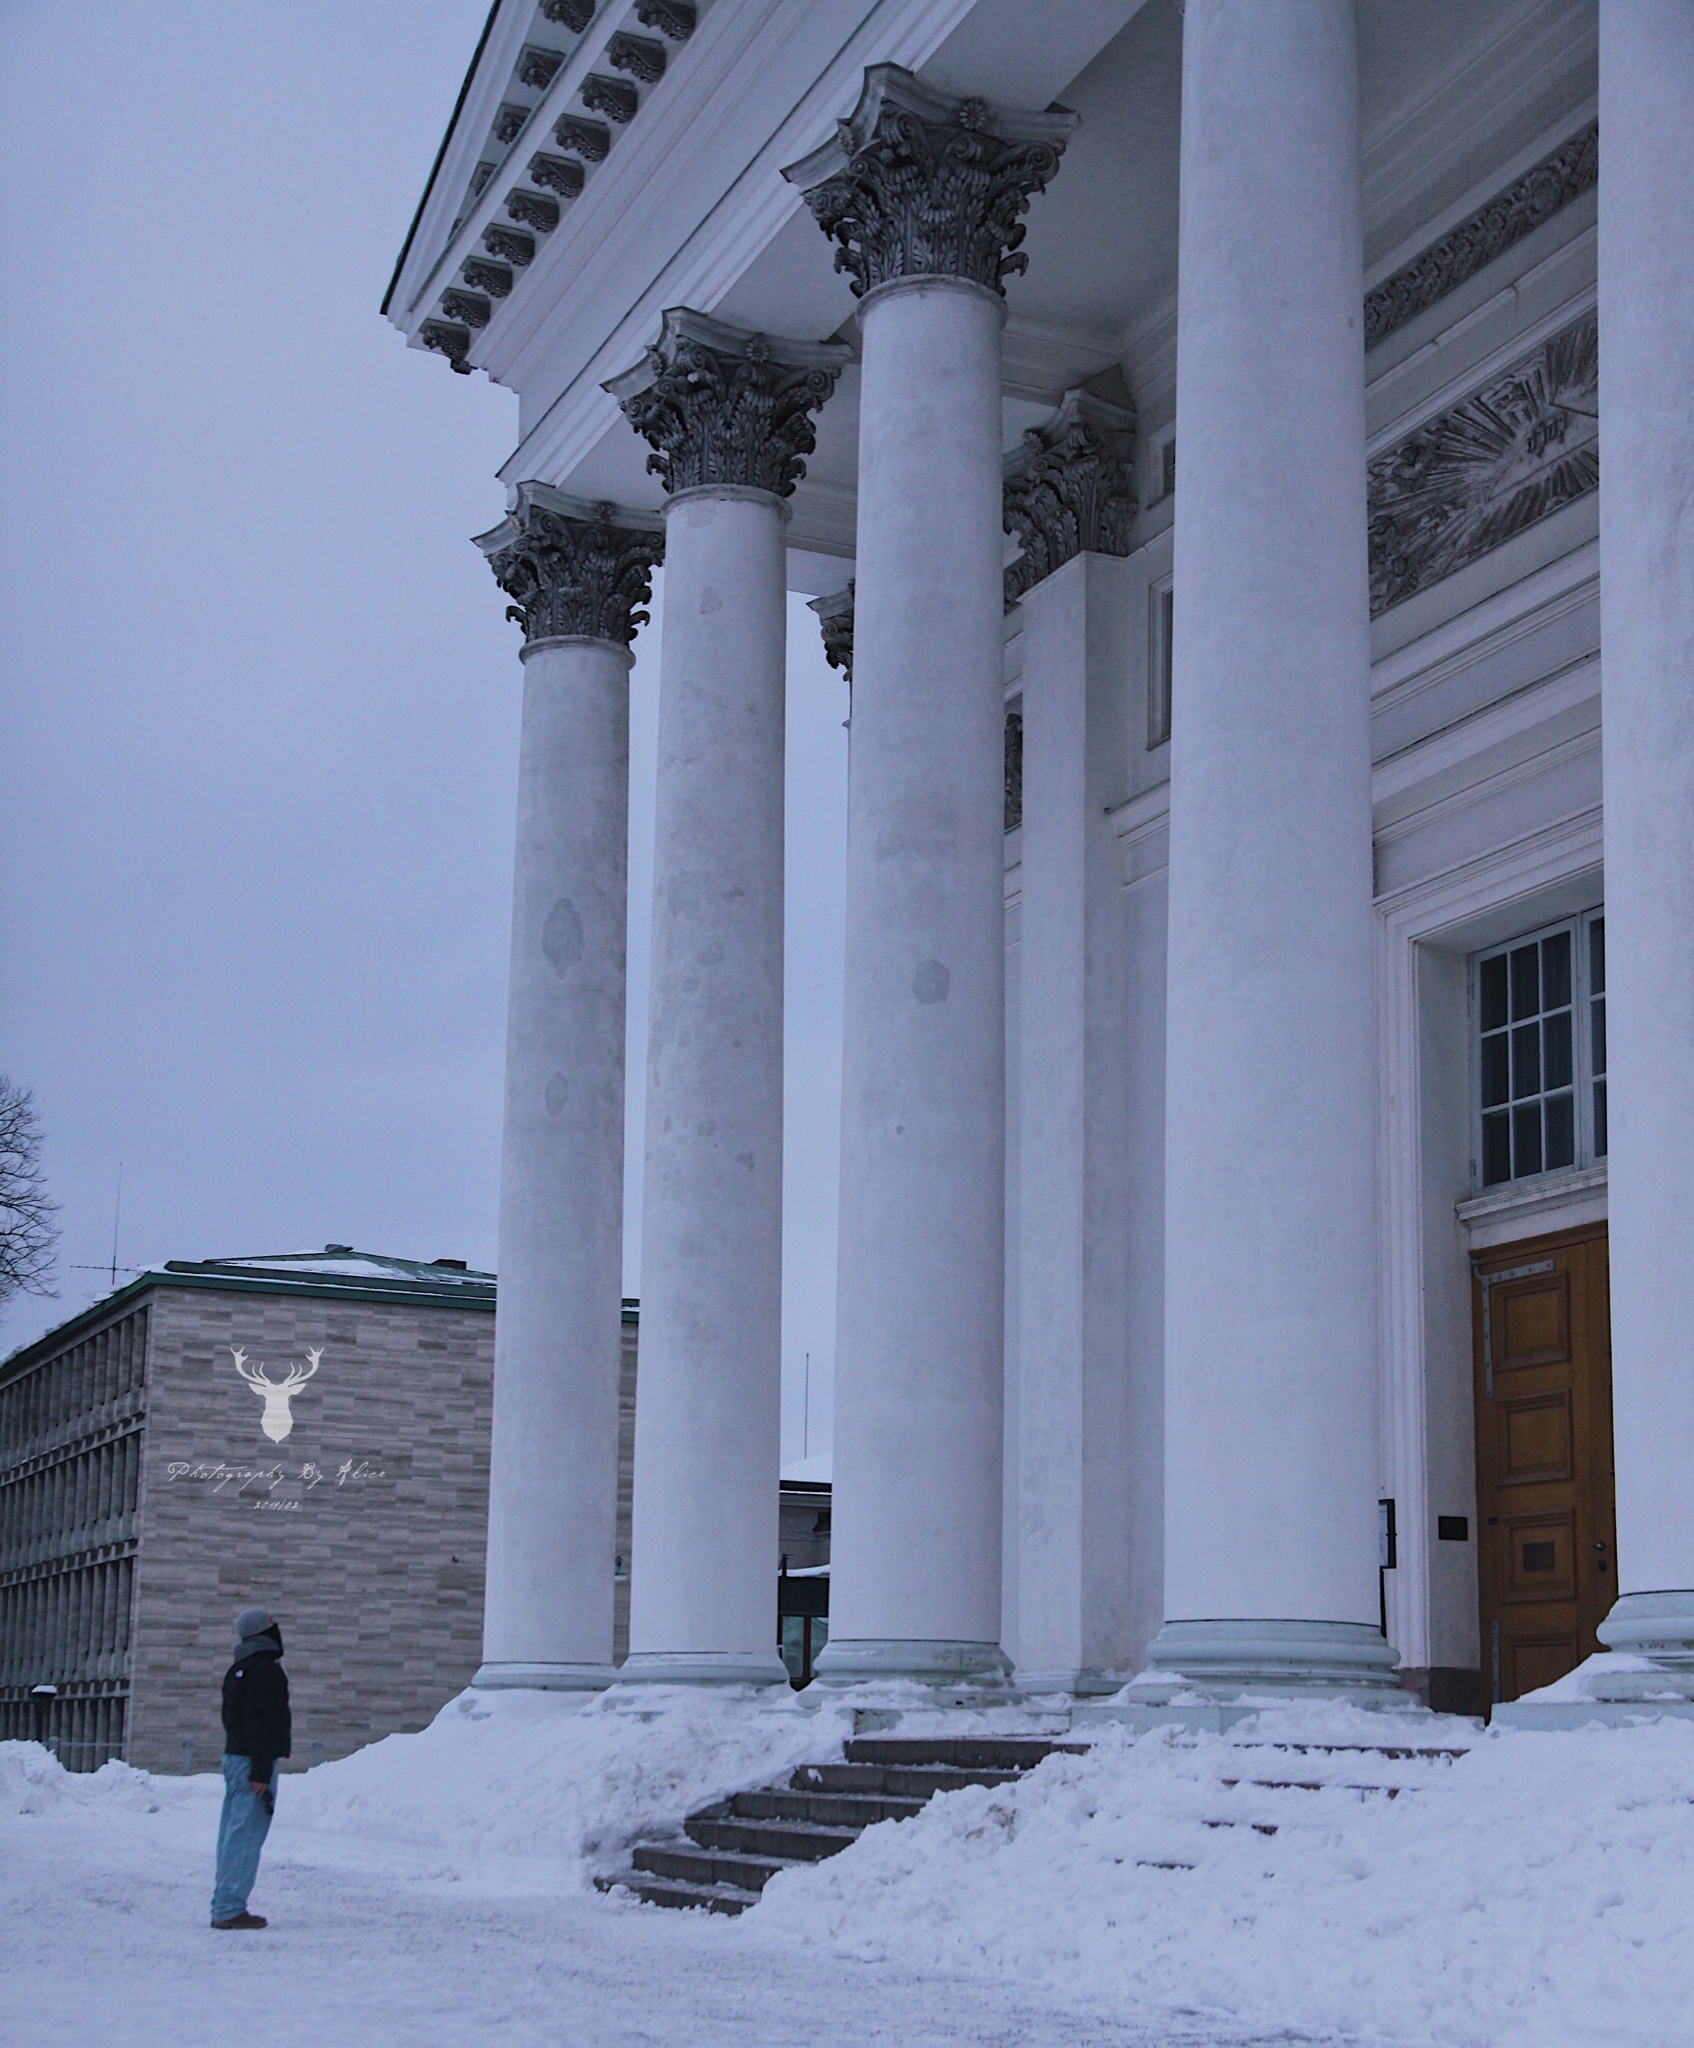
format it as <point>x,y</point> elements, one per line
<point>1547,1547</point>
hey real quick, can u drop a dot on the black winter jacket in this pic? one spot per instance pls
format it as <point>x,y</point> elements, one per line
<point>256,1718</point>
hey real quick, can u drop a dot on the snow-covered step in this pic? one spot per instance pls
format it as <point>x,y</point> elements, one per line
<point>731,1849</point>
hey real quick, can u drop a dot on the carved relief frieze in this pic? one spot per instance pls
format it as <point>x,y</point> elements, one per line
<point>1070,489</point>
<point>917,184</point>
<point>611,97</point>
<point>561,174</point>
<point>589,140</point>
<point>1571,170</point>
<point>1013,817</point>
<point>640,56</point>
<point>573,569</point>
<point>674,18</point>
<point>1525,444</point>
<point>722,406</point>
<point>512,245</point>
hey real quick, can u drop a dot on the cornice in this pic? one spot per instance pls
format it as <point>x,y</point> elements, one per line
<point>712,170</point>
<point>596,78</point>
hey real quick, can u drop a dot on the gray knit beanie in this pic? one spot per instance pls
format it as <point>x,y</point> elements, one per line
<point>251,1621</point>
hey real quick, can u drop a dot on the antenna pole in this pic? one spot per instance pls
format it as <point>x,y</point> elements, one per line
<point>806,1413</point>
<point>117,1211</point>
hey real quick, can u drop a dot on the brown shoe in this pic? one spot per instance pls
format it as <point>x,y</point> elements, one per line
<point>242,1920</point>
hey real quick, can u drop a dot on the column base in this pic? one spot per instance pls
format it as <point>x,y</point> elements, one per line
<point>1085,1682</point>
<point>701,1667</point>
<point>1208,1675</point>
<point>1646,1672</point>
<point>544,1678</point>
<point>868,1660</point>
<point>1659,1627</point>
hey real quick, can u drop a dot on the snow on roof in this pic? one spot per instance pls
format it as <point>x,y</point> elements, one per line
<point>344,1262</point>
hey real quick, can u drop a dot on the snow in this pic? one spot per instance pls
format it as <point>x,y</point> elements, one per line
<point>1596,1678</point>
<point>1538,1889</point>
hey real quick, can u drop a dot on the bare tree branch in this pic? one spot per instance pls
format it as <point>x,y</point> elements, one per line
<point>29,1230</point>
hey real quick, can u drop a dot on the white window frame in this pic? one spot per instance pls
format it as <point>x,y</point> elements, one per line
<point>1582,1047</point>
<point>1160,601</point>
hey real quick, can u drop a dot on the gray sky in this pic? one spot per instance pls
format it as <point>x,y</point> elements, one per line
<point>259,756</point>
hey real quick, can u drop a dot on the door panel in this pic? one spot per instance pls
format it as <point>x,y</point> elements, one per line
<point>1548,1549</point>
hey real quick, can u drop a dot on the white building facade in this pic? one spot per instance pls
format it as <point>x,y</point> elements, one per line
<point>1267,1208</point>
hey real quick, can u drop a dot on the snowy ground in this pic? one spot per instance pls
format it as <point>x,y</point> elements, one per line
<point>435,1889</point>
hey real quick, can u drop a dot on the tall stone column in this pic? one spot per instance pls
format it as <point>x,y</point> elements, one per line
<point>1647,621</point>
<point>729,417</point>
<point>578,575</point>
<point>924,196</point>
<point>1070,499</point>
<point>1270,1248</point>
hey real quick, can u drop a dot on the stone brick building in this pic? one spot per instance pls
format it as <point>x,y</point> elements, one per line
<point>307,1431</point>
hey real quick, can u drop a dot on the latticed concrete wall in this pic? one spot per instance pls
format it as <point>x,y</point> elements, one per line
<point>71,1431</point>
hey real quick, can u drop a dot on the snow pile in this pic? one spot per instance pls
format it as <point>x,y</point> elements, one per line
<point>518,1779</point>
<point>1597,1678</point>
<point>33,1781</point>
<point>1541,1890</point>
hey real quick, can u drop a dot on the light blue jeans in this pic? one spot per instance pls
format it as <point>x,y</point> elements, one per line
<point>242,1828</point>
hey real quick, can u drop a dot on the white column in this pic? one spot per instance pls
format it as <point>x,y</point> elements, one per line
<point>1069,497</point>
<point>1647,619</point>
<point>708,1396</point>
<point>558,1326</point>
<point>1270,1326</point>
<point>916,1543</point>
<point>1075,1457</point>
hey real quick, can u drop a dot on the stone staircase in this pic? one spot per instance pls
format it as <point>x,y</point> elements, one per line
<point>728,1852</point>
<point>1284,1787</point>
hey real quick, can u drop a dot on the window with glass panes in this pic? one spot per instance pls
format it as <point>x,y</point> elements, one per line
<point>1541,1032</point>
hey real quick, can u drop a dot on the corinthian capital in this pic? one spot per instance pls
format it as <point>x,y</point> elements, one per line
<point>574,570</point>
<point>1070,489</point>
<point>722,406</point>
<point>916,184</point>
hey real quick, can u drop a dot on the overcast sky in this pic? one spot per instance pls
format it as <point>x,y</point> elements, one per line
<point>261,702</point>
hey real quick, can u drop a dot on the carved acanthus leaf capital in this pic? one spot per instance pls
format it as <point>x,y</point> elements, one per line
<point>722,406</point>
<point>574,569</point>
<point>917,184</point>
<point>835,623</point>
<point>1070,489</point>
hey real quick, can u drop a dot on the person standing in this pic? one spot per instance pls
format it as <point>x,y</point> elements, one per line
<point>257,1734</point>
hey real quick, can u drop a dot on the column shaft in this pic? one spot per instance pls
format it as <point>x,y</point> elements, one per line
<point>707,1430</point>
<point>915,1585</point>
<point>1076,1459</point>
<point>553,1477</point>
<point>1270,1550</point>
<point>1647,616</point>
